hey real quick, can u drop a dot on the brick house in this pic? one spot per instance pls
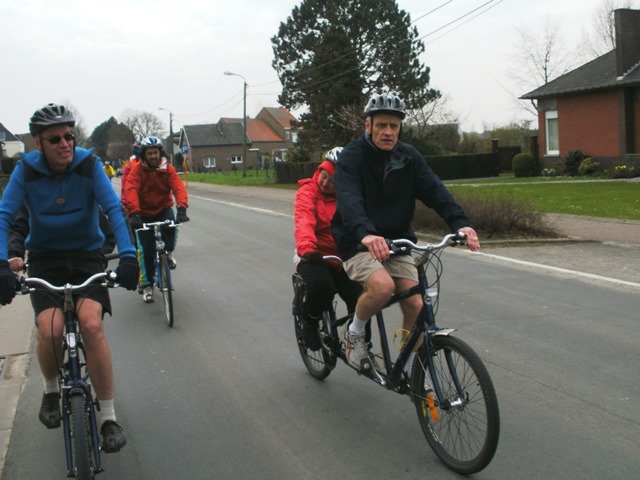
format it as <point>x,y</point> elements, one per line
<point>596,107</point>
<point>219,147</point>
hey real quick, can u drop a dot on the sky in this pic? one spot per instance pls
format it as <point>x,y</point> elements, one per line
<point>107,58</point>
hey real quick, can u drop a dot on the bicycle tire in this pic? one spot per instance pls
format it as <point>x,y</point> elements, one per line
<point>166,290</point>
<point>81,440</point>
<point>319,363</point>
<point>464,437</point>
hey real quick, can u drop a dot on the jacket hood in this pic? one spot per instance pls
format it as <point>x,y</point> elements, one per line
<point>314,181</point>
<point>36,160</point>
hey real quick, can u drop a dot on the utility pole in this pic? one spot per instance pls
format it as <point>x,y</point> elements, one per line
<point>170,134</point>
<point>244,122</point>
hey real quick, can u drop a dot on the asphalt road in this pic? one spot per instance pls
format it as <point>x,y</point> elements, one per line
<point>225,395</point>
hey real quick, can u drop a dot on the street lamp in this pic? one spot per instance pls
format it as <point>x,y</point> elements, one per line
<point>170,133</point>
<point>244,122</point>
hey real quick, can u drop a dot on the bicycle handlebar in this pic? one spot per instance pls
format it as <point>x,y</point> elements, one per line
<point>162,224</point>
<point>402,244</point>
<point>26,284</point>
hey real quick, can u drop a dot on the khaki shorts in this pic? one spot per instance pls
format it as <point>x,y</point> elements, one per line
<point>361,266</point>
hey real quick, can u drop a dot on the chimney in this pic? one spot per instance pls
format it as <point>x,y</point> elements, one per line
<point>627,24</point>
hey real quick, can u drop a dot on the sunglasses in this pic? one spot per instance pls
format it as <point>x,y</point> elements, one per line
<point>56,139</point>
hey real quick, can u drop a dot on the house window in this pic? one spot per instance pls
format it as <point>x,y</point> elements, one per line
<point>2,137</point>
<point>551,129</point>
<point>294,137</point>
<point>236,159</point>
<point>209,162</point>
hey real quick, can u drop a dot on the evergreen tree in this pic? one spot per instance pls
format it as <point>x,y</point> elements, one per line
<point>334,53</point>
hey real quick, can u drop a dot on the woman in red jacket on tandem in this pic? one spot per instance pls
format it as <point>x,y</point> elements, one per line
<point>314,206</point>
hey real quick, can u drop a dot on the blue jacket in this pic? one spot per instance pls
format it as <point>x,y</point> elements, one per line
<point>63,214</point>
<point>376,193</point>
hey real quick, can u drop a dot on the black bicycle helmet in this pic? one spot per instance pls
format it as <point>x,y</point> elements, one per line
<point>385,103</point>
<point>48,116</point>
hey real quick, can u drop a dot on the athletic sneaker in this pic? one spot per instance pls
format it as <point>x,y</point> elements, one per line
<point>357,350</point>
<point>50,410</point>
<point>172,262</point>
<point>112,437</point>
<point>147,294</point>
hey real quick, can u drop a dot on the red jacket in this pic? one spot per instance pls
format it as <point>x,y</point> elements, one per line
<point>125,173</point>
<point>148,190</point>
<point>312,214</point>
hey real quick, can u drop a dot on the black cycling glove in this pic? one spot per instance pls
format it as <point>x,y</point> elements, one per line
<point>7,283</point>
<point>128,272</point>
<point>135,220</point>
<point>182,215</point>
<point>314,257</point>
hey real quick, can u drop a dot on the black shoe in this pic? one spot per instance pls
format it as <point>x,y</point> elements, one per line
<point>112,437</point>
<point>310,332</point>
<point>50,410</point>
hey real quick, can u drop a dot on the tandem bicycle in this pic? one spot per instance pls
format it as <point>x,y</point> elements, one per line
<point>451,389</point>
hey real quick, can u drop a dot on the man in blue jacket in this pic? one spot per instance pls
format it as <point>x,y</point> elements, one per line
<point>377,181</point>
<point>63,186</point>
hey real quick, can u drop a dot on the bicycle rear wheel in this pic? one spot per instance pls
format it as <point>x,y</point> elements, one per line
<point>166,289</point>
<point>463,431</point>
<point>319,363</point>
<point>81,439</point>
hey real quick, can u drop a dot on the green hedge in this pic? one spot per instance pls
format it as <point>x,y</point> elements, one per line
<point>447,167</point>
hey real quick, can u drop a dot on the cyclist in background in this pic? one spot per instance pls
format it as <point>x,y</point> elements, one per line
<point>314,207</point>
<point>63,187</point>
<point>377,181</point>
<point>109,170</point>
<point>148,198</point>
<point>133,159</point>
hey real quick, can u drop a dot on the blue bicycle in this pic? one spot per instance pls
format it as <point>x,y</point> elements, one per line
<point>162,268</point>
<point>81,434</point>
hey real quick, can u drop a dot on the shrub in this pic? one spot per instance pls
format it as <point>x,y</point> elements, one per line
<point>522,165</point>
<point>499,216</point>
<point>572,162</point>
<point>588,166</point>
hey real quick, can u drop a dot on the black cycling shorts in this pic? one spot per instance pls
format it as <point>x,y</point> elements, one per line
<point>61,267</point>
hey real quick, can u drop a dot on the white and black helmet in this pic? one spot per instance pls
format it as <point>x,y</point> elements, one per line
<point>49,116</point>
<point>332,155</point>
<point>385,103</point>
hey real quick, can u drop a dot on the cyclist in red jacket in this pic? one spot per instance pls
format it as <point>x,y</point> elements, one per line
<point>148,197</point>
<point>314,207</point>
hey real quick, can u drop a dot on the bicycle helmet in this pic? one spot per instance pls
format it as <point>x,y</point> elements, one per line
<point>150,142</point>
<point>48,116</point>
<point>332,155</point>
<point>385,103</point>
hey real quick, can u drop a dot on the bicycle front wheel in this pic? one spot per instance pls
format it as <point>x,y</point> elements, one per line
<point>319,363</point>
<point>463,430</point>
<point>166,289</point>
<point>81,440</point>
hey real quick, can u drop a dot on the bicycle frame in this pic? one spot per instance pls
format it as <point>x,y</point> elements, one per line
<point>424,326</point>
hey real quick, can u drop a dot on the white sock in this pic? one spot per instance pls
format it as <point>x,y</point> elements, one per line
<point>51,385</point>
<point>106,412</point>
<point>357,325</point>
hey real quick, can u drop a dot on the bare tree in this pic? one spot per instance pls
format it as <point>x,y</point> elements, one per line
<point>600,38</point>
<point>541,56</point>
<point>80,130</point>
<point>143,124</point>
